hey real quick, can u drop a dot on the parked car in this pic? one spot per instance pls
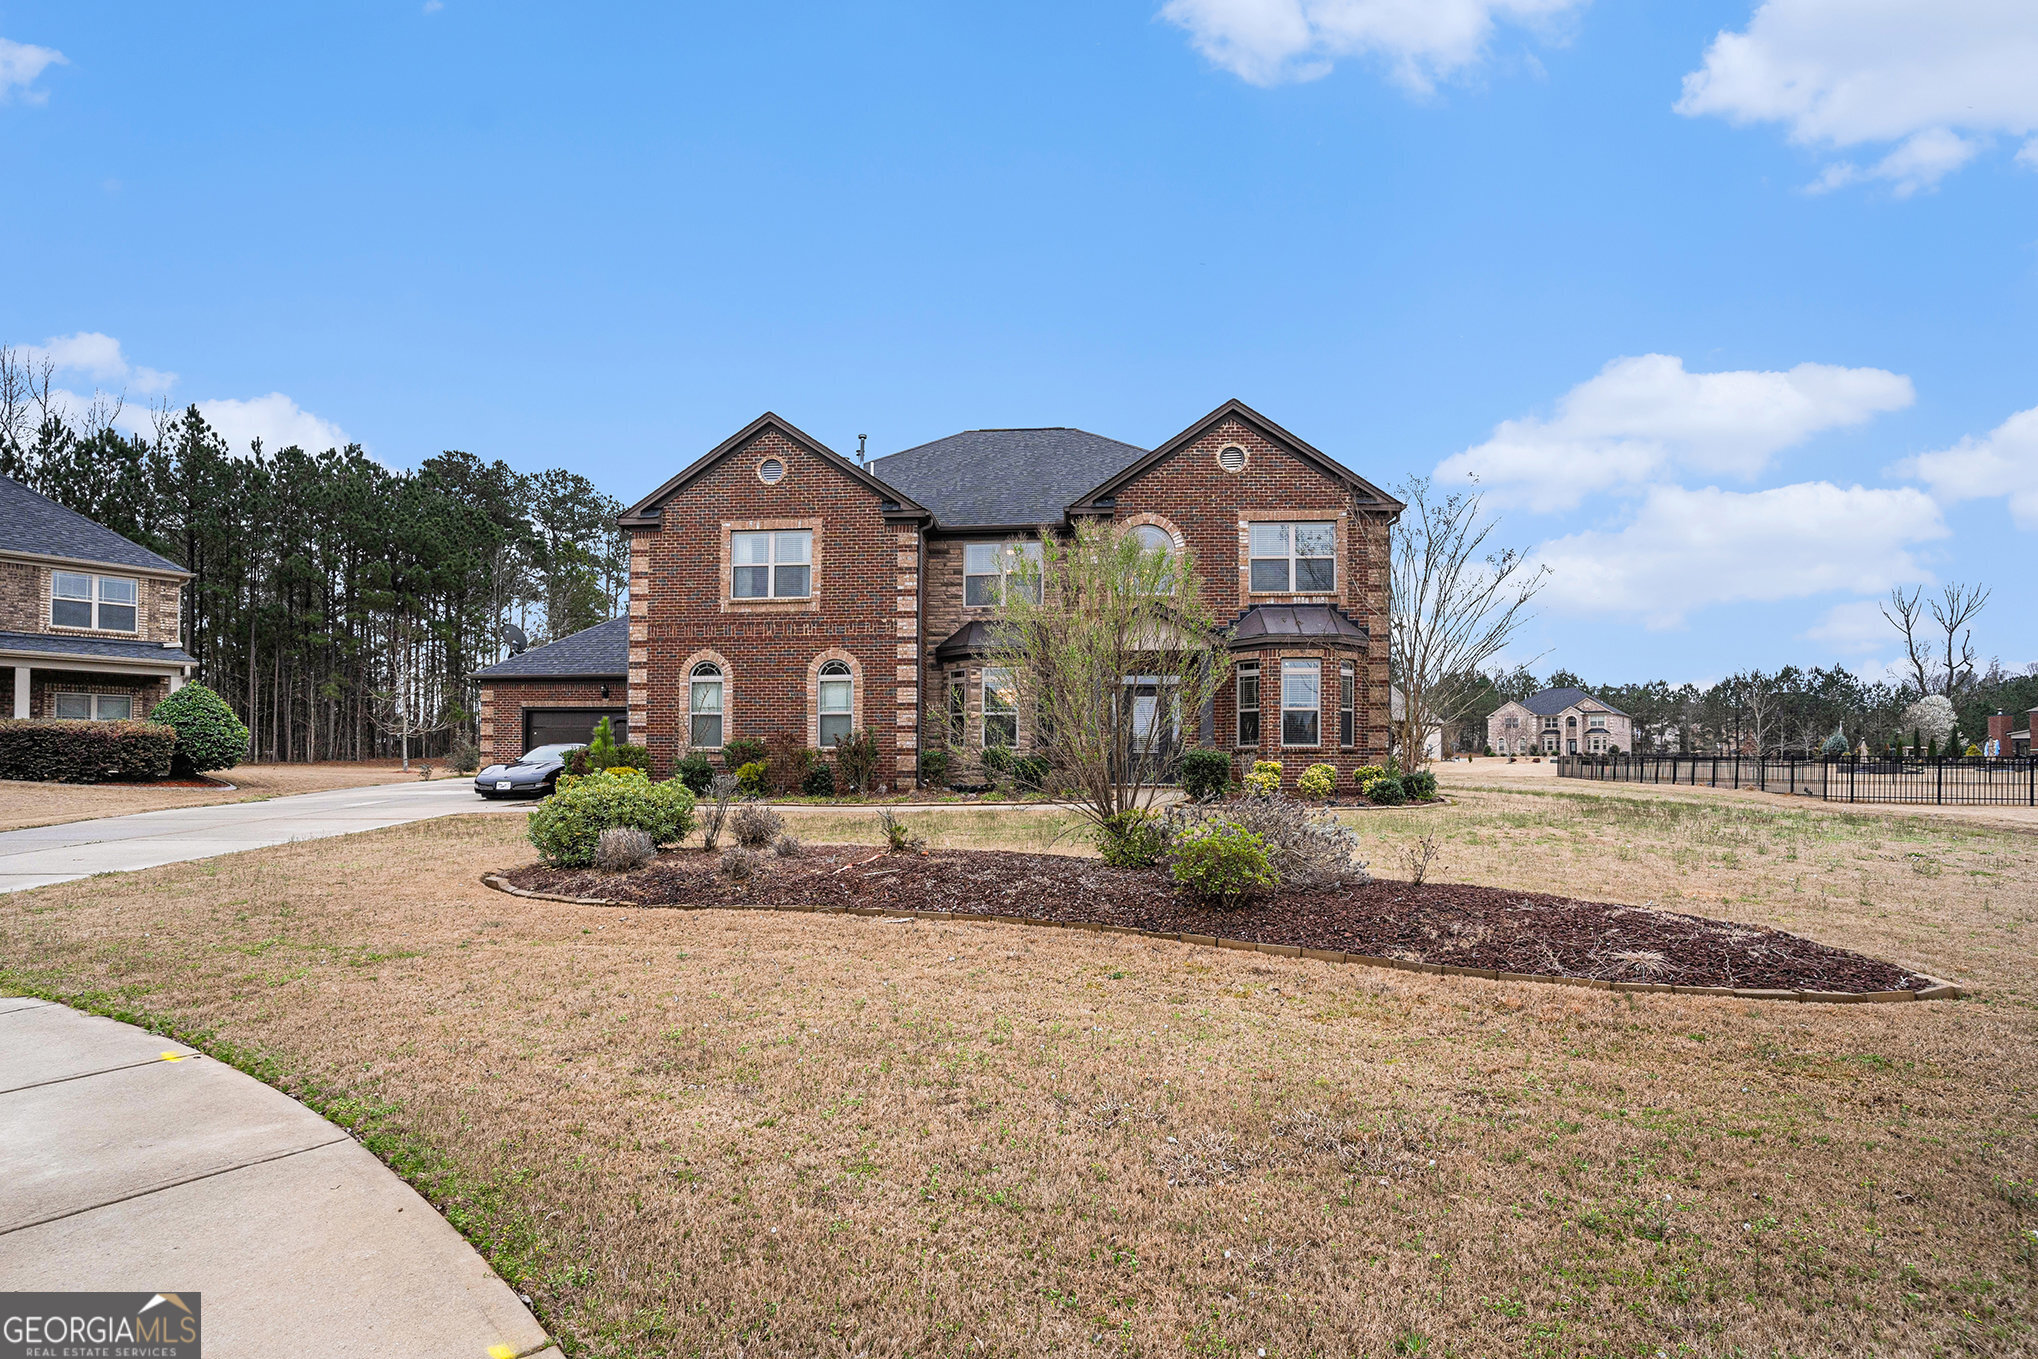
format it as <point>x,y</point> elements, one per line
<point>534,774</point>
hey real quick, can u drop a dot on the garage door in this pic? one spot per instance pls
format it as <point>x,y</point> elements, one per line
<point>558,726</point>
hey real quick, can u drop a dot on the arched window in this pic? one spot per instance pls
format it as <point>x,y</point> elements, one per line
<point>1154,538</point>
<point>837,702</point>
<point>704,705</point>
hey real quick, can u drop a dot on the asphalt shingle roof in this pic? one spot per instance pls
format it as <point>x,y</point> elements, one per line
<point>599,652</point>
<point>1550,702</point>
<point>96,648</point>
<point>1005,477</point>
<point>34,523</point>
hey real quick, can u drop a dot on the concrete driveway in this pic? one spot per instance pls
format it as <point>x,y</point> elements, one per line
<point>130,1163</point>
<point>120,844</point>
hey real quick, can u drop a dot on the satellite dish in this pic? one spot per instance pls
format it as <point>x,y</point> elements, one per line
<point>514,635</point>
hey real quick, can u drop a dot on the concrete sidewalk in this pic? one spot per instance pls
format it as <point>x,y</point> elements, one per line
<point>130,1163</point>
<point>77,849</point>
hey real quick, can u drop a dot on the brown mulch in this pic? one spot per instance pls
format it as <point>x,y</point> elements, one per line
<point>1438,922</point>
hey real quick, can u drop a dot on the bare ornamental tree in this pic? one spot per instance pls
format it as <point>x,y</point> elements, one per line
<point>1109,645</point>
<point>1456,605</point>
<point>1951,613</point>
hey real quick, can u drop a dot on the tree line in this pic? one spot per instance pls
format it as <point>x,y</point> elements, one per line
<point>335,603</point>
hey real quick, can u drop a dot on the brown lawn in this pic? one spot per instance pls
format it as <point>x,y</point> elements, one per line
<point>49,804</point>
<point>731,1133</point>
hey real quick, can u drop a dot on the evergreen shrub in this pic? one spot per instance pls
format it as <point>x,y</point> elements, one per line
<point>209,736</point>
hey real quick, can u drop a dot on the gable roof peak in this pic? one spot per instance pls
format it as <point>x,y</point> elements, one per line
<point>647,513</point>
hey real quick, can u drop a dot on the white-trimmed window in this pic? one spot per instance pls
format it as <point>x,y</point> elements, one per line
<point>704,707</point>
<point>958,707</point>
<point>78,600</point>
<point>775,564</point>
<point>1155,539</point>
<point>1001,708</point>
<point>1301,703</point>
<point>988,567</point>
<point>1249,703</point>
<point>1347,705</point>
<point>93,707</point>
<point>1294,558</point>
<point>837,702</point>
<point>1596,721</point>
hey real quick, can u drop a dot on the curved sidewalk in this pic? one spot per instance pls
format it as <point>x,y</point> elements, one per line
<point>131,1163</point>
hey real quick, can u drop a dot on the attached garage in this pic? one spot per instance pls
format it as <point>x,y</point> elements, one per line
<point>552,695</point>
<point>560,726</point>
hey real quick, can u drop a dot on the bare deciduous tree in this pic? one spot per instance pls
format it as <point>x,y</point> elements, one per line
<point>1951,612</point>
<point>1956,606</point>
<point>1111,649</point>
<point>1456,605</point>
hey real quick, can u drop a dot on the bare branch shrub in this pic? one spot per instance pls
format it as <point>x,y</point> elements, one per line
<point>716,814</point>
<point>755,825</point>
<point>1419,856</point>
<point>738,864</point>
<point>1309,849</point>
<point>622,848</point>
<point>788,847</point>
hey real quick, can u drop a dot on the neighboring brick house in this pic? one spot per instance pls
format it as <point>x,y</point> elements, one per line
<point>776,586</point>
<point>1559,722</point>
<point>89,621</point>
<point>2002,741</point>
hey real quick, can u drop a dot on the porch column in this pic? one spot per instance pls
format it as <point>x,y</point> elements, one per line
<point>177,681</point>
<point>21,691</point>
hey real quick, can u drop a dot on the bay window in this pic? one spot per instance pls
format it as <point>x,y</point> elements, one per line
<point>1001,708</point>
<point>1347,705</point>
<point>1249,703</point>
<point>1301,703</point>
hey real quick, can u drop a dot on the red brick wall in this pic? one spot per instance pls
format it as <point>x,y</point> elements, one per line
<point>503,704</point>
<point>866,601</point>
<point>1209,508</point>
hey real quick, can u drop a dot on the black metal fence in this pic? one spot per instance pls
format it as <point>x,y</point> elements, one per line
<point>1946,782</point>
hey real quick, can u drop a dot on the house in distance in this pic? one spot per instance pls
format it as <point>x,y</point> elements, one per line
<point>1562,721</point>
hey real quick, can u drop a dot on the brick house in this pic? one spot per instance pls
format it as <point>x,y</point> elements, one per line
<point>1559,722</point>
<point>90,622</point>
<point>777,586</point>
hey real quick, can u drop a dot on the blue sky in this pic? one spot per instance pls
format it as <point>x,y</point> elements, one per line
<point>1730,306</point>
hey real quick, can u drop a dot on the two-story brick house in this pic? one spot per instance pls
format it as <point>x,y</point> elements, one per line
<point>1563,721</point>
<point>90,621</point>
<point>777,586</point>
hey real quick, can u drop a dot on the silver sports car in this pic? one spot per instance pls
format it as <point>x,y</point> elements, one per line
<point>535,773</point>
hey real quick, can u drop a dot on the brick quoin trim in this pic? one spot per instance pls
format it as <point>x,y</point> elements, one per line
<point>504,702</point>
<point>681,596</point>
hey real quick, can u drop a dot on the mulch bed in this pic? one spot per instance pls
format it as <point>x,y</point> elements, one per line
<point>1444,923</point>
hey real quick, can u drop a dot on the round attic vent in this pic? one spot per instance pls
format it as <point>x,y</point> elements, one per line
<point>770,471</point>
<point>1231,458</point>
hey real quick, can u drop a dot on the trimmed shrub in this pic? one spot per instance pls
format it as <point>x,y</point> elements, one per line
<point>820,780</point>
<point>751,779</point>
<point>1265,780</point>
<point>1318,782</point>
<point>934,767</point>
<point>742,750</point>
<point>738,864</point>
<point>1310,849</point>
<point>1421,786</point>
<point>632,757</point>
<point>1366,773</point>
<point>1031,772</point>
<point>1222,863</point>
<point>1385,791</point>
<point>85,752</point>
<point>755,826</point>
<point>1134,839</point>
<point>856,762</point>
<point>622,848</point>
<point>566,827</point>
<point>1205,773</point>
<point>209,736</point>
<point>696,773</point>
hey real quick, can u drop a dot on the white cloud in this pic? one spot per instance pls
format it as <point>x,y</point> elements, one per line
<point>20,64</point>
<point>274,419</point>
<point>1846,73</point>
<point>98,357</point>
<point>1266,42</point>
<point>2004,462</point>
<point>1644,416</point>
<point>1856,626</point>
<point>1687,549</point>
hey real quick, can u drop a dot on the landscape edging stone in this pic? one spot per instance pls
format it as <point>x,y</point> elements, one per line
<point>1938,989</point>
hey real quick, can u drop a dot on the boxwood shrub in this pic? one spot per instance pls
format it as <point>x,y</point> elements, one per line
<point>1386,791</point>
<point>567,827</point>
<point>85,752</point>
<point>1205,773</point>
<point>1421,786</point>
<point>696,773</point>
<point>209,736</point>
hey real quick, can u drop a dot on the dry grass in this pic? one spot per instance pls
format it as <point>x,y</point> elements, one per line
<point>732,1133</point>
<point>51,804</point>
